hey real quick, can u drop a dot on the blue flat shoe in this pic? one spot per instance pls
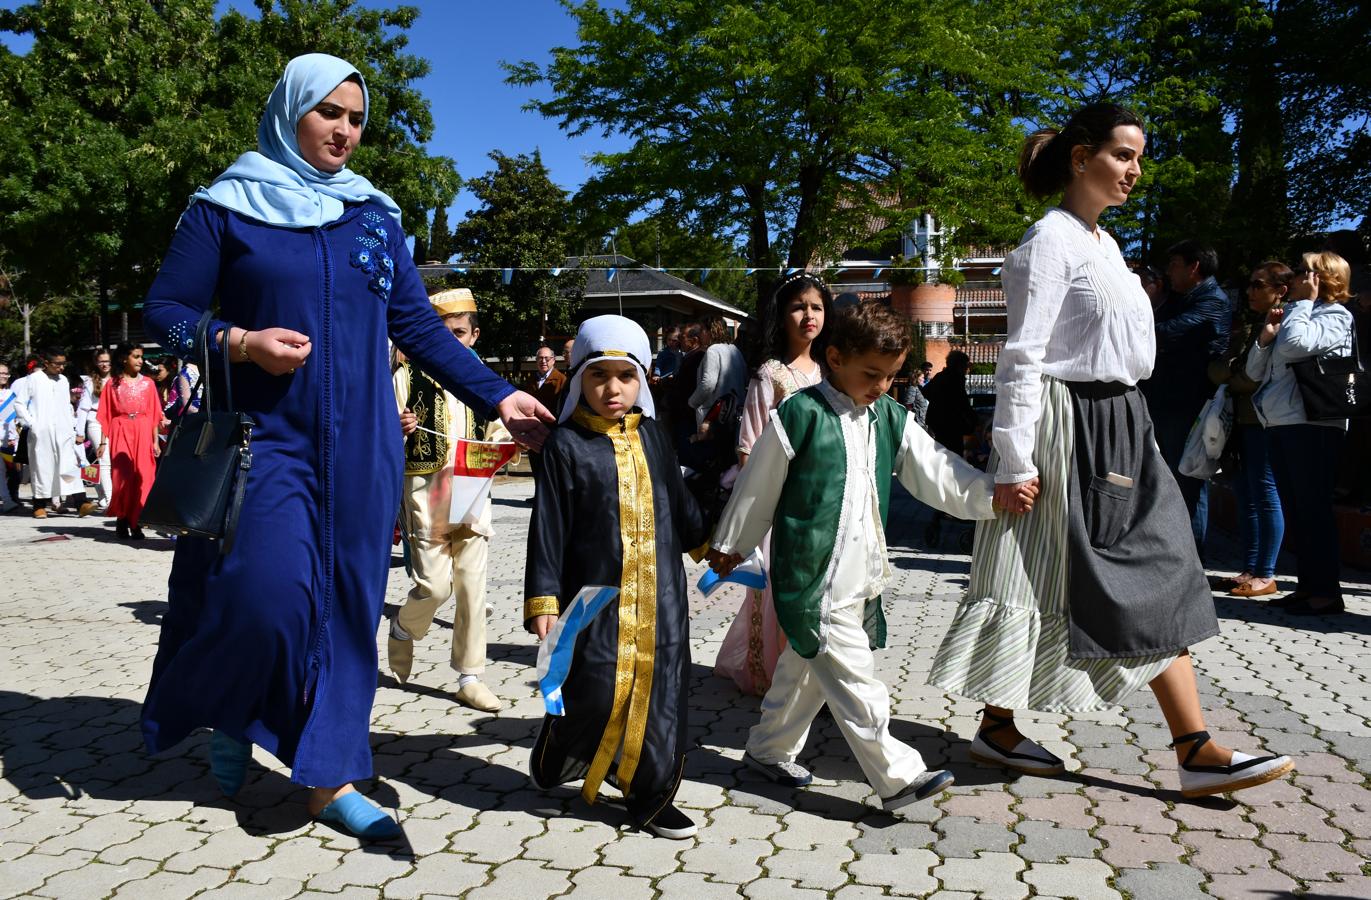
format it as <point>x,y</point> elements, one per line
<point>228,762</point>
<point>361,817</point>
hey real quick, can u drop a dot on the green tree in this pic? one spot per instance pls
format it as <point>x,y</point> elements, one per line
<point>1327,101</point>
<point>522,223</point>
<point>440,241</point>
<point>122,108</point>
<point>790,125</point>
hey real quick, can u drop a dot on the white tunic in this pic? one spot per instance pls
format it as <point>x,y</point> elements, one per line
<point>1076,313</point>
<point>43,404</point>
<point>859,568</point>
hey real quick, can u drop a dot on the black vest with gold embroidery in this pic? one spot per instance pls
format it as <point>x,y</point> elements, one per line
<point>427,449</point>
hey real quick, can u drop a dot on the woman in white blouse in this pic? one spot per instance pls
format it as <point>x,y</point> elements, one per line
<point>800,307</point>
<point>1097,590</point>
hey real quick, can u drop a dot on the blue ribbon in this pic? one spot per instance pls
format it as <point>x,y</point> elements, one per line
<point>554,657</point>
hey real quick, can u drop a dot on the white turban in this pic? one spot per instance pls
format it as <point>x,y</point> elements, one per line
<point>614,338</point>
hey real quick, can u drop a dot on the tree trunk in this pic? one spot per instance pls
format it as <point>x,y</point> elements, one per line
<point>1258,216</point>
<point>759,244</point>
<point>26,310</point>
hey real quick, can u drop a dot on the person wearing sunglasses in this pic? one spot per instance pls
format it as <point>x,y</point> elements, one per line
<point>1304,453</point>
<point>1261,523</point>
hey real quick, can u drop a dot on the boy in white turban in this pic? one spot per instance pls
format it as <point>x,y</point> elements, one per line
<point>611,509</point>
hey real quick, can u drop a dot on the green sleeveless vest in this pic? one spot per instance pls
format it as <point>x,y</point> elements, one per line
<point>806,523</point>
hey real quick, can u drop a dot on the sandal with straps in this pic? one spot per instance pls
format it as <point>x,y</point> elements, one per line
<point>1026,756</point>
<point>1242,771</point>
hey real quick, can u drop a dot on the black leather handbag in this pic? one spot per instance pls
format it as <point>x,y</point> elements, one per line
<point>1334,387</point>
<point>203,473</point>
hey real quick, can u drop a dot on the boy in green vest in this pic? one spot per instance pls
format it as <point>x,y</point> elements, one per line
<point>819,479</point>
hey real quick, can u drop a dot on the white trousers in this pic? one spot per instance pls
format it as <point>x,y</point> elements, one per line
<point>844,677</point>
<point>448,561</point>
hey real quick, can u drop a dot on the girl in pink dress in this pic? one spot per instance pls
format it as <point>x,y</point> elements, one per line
<point>791,348</point>
<point>130,415</point>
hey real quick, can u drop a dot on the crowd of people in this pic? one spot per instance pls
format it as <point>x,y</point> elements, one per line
<point>70,436</point>
<point>1085,582</point>
<point>1282,464</point>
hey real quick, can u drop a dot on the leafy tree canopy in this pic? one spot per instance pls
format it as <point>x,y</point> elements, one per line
<point>122,108</point>
<point>523,221</point>
<point>790,125</point>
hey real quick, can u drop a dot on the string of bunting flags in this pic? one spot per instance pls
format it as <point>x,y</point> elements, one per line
<point>612,271</point>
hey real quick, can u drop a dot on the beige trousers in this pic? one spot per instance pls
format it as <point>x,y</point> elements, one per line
<point>844,677</point>
<point>448,561</point>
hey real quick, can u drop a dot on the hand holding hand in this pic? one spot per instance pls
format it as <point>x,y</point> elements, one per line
<point>409,422</point>
<point>542,625</point>
<point>526,419</point>
<point>1017,498</point>
<point>1272,326</point>
<point>278,351</point>
<point>722,563</point>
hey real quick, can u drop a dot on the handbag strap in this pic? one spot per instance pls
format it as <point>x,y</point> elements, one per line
<point>204,381</point>
<point>1356,348</point>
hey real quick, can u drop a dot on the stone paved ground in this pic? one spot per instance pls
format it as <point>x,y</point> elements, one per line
<point>83,813</point>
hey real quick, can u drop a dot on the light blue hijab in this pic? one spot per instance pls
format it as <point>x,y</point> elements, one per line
<point>274,184</point>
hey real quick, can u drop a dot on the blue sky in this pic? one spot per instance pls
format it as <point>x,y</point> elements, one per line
<point>474,111</point>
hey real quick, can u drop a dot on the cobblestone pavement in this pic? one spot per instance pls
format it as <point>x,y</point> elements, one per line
<point>84,813</point>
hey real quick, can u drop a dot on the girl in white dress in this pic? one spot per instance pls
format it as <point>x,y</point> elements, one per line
<point>791,349</point>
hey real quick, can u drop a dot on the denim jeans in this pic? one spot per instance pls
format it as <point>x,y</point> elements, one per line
<point>1304,459</point>
<point>1261,524</point>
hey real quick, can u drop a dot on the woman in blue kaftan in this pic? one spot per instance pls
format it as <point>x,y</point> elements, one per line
<point>274,643</point>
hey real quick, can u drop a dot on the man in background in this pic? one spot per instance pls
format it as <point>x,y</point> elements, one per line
<point>1193,326</point>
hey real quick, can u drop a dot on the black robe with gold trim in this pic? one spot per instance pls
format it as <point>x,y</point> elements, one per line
<point>611,508</point>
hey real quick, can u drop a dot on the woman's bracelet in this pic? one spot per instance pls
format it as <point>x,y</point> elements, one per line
<point>243,346</point>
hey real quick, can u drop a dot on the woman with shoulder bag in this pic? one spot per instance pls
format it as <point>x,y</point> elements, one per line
<point>1261,523</point>
<point>1304,453</point>
<point>273,643</point>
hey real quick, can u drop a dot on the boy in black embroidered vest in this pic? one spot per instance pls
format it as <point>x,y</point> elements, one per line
<point>611,509</point>
<point>819,477</point>
<point>449,559</point>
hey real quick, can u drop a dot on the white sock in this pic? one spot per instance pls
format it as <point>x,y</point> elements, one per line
<point>464,680</point>
<point>398,632</point>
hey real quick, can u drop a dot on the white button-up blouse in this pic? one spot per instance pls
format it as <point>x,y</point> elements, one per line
<point>1076,313</point>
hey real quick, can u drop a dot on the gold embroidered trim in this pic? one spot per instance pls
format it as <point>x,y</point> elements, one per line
<point>427,452</point>
<point>541,606</point>
<point>756,645</point>
<point>600,425</point>
<point>637,608</point>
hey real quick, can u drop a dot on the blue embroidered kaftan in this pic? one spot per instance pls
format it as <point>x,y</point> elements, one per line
<point>276,642</point>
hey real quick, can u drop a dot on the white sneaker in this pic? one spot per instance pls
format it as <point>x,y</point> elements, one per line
<point>1242,771</point>
<point>1028,757</point>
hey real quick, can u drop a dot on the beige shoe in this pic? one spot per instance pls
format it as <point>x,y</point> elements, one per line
<point>476,695</point>
<point>40,513</point>
<point>400,654</point>
<point>86,508</point>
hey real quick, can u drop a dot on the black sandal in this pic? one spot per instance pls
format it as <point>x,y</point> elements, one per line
<point>984,749</point>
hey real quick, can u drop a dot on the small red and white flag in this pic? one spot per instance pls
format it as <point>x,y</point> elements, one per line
<point>473,468</point>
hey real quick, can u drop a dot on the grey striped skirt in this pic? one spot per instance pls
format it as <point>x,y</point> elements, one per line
<point>1009,640</point>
